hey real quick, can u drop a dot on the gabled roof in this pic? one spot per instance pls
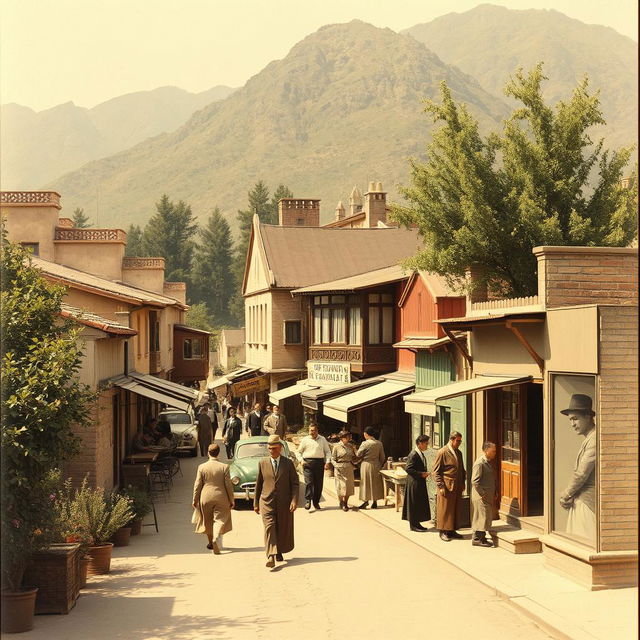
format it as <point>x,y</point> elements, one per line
<point>301,256</point>
<point>94,284</point>
<point>436,285</point>
<point>361,281</point>
<point>95,321</point>
<point>184,327</point>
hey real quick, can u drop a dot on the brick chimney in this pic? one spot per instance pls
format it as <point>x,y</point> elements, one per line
<point>340,211</point>
<point>375,205</point>
<point>298,212</point>
<point>476,291</point>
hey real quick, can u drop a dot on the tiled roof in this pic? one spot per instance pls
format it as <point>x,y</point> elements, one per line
<point>97,322</point>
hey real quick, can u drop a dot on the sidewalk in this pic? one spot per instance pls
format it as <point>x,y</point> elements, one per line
<point>556,603</point>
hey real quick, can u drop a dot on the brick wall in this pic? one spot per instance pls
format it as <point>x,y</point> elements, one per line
<point>296,212</point>
<point>618,410</point>
<point>587,275</point>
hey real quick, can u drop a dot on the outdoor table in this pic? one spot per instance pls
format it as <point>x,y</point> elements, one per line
<point>393,478</point>
<point>143,457</point>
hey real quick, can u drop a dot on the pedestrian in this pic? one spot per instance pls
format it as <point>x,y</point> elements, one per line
<point>276,499</point>
<point>449,474</point>
<point>371,454</point>
<point>342,458</point>
<point>231,432</point>
<point>276,423</point>
<point>205,432</point>
<point>255,419</point>
<point>315,454</point>
<point>268,412</point>
<point>416,499</point>
<point>483,494</point>
<point>213,499</point>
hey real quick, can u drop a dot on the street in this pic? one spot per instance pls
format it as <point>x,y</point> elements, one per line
<point>349,577</point>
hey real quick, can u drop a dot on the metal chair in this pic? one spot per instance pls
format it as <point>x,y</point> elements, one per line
<point>138,475</point>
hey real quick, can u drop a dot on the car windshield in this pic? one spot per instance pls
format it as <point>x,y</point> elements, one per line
<point>253,450</point>
<point>176,418</point>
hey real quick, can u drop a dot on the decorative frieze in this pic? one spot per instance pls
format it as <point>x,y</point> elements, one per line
<point>30,198</point>
<point>90,235</point>
<point>131,262</point>
<point>175,286</point>
<point>65,222</point>
<point>343,355</point>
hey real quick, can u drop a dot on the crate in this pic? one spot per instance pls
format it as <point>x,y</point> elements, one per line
<point>56,573</point>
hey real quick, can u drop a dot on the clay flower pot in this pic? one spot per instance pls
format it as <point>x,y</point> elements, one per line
<point>99,558</point>
<point>84,567</point>
<point>136,527</point>
<point>18,610</point>
<point>121,537</point>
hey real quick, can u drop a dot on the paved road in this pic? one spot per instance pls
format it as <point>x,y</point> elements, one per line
<point>348,578</point>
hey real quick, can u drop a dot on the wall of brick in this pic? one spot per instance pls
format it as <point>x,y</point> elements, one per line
<point>295,212</point>
<point>618,409</point>
<point>587,275</point>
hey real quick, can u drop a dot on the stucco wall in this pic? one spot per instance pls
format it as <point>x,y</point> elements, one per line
<point>32,224</point>
<point>102,259</point>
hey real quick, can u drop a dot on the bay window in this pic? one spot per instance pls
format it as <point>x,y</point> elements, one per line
<point>380,318</point>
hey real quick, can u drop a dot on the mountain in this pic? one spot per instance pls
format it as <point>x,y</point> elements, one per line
<point>343,107</point>
<point>37,147</point>
<point>490,42</point>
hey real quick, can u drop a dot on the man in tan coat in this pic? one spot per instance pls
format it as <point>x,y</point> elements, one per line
<point>449,475</point>
<point>276,499</point>
<point>275,423</point>
<point>483,495</point>
<point>213,499</point>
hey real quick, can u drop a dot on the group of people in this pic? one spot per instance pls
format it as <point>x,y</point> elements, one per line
<point>155,436</point>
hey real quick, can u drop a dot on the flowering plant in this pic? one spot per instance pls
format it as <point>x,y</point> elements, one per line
<point>140,501</point>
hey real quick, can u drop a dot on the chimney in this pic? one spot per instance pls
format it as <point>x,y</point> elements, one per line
<point>375,205</point>
<point>340,211</point>
<point>476,290</point>
<point>355,202</point>
<point>298,212</point>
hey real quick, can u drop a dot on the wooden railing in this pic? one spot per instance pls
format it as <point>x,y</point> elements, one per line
<point>507,303</point>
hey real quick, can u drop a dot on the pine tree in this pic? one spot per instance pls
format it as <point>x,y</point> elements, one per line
<point>80,221</point>
<point>134,241</point>
<point>169,234</point>
<point>212,278</point>
<point>489,201</point>
<point>281,192</point>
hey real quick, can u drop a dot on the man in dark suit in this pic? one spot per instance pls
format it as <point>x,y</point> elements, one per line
<point>231,432</point>
<point>255,420</point>
<point>450,477</point>
<point>416,500</point>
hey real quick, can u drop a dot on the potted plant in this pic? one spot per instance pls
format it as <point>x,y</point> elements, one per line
<point>140,505</point>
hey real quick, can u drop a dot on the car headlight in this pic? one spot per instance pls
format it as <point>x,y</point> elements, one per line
<point>235,480</point>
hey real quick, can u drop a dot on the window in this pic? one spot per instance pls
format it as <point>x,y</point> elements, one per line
<point>334,322</point>
<point>154,332</point>
<point>354,326</point>
<point>338,326</point>
<point>292,332</point>
<point>380,318</point>
<point>187,349</point>
<point>192,348</point>
<point>300,221</point>
<point>34,247</point>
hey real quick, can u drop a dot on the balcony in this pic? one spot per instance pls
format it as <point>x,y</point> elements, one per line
<point>90,235</point>
<point>361,359</point>
<point>30,198</point>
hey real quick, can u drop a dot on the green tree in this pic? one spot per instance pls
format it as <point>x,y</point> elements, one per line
<point>42,401</point>
<point>489,201</point>
<point>212,276</point>
<point>169,234</point>
<point>198,317</point>
<point>134,241</point>
<point>281,192</point>
<point>80,221</point>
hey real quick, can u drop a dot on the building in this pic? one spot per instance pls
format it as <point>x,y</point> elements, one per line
<point>231,348</point>
<point>569,486</point>
<point>364,213</point>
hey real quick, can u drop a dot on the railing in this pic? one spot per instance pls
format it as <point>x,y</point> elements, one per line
<point>507,303</point>
<point>175,286</point>
<point>65,222</point>
<point>142,263</point>
<point>366,355</point>
<point>48,198</point>
<point>91,235</point>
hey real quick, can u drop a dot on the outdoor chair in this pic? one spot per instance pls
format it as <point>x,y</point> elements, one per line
<point>138,475</point>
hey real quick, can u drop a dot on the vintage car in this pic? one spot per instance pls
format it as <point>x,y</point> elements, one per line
<point>244,466</point>
<point>184,429</point>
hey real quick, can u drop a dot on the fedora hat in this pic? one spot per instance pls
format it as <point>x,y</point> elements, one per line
<point>274,439</point>
<point>579,403</point>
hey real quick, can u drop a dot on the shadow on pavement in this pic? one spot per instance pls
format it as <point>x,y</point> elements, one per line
<point>295,562</point>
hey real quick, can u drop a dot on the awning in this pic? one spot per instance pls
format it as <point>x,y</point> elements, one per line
<point>424,402</point>
<point>165,386</point>
<point>230,377</point>
<point>339,408</point>
<point>315,397</point>
<point>288,392</point>
<point>218,382</point>
<point>135,386</point>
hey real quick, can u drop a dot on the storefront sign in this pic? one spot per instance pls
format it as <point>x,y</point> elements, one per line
<point>328,372</point>
<point>252,385</point>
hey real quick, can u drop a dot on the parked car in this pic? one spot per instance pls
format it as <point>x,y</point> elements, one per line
<point>244,466</point>
<point>183,428</point>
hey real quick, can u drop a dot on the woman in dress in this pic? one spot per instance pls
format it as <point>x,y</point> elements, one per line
<point>342,458</point>
<point>371,454</point>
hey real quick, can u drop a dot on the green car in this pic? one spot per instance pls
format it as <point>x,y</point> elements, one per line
<point>244,466</point>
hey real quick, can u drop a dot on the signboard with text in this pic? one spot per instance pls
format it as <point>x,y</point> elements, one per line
<point>252,385</point>
<point>329,372</point>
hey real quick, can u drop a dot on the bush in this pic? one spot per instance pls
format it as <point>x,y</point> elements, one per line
<point>140,501</point>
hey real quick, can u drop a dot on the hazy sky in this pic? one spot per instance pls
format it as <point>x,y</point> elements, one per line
<point>88,51</point>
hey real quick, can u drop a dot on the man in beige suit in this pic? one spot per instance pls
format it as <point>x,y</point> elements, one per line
<point>213,499</point>
<point>276,499</point>
<point>276,423</point>
<point>449,474</point>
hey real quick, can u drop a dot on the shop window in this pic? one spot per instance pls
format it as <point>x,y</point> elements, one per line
<point>292,332</point>
<point>34,247</point>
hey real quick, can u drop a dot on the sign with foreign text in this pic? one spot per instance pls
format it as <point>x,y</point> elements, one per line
<point>252,385</point>
<point>329,372</point>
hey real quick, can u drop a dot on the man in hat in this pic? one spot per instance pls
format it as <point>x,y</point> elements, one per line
<point>579,497</point>
<point>276,498</point>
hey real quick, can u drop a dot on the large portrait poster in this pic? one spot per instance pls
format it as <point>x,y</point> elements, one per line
<point>575,420</point>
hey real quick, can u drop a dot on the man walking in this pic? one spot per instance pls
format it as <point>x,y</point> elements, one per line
<point>449,474</point>
<point>483,493</point>
<point>315,454</point>
<point>231,432</point>
<point>276,499</point>
<point>205,432</point>
<point>255,420</point>
<point>416,500</point>
<point>276,423</point>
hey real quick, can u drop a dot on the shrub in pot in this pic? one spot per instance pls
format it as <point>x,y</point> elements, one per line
<point>140,505</point>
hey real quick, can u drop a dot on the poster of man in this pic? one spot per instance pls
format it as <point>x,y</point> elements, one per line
<point>575,457</point>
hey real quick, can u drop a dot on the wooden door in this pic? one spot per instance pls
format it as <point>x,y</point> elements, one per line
<point>512,438</point>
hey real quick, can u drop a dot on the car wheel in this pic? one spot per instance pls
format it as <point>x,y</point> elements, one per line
<point>194,452</point>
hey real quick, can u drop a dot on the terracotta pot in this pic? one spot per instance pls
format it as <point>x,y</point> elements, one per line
<point>121,537</point>
<point>84,566</point>
<point>99,558</point>
<point>136,527</point>
<point>18,610</point>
